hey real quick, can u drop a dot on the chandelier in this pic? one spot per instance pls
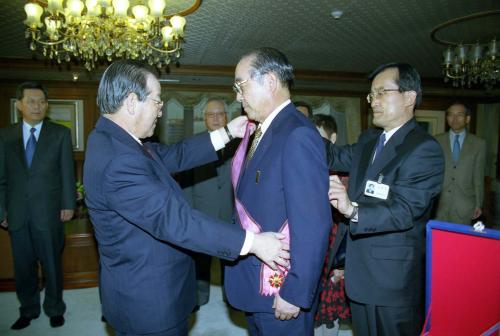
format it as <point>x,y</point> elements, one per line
<point>471,63</point>
<point>108,30</point>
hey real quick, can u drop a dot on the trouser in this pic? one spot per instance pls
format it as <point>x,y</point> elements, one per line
<point>30,246</point>
<point>371,320</point>
<point>179,330</point>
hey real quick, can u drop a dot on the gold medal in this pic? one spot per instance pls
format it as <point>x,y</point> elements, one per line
<point>276,280</point>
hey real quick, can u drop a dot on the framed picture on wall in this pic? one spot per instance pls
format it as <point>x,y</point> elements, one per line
<point>433,121</point>
<point>66,112</point>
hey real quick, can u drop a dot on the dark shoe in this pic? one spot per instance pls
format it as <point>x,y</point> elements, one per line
<point>22,322</point>
<point>56,321</point>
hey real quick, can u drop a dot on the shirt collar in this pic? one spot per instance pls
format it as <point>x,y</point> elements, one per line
<point>267,122</point>
<point>27,127</point>
<point>135,138</point>
<point>461,134</point>
<point>390,133</point>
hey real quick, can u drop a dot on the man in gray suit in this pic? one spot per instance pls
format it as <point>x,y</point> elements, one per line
<point>37,194</point>
<point>209,190</point>
<point>461,200</point>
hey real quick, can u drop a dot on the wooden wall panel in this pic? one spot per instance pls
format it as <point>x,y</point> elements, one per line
<point>80,257</point>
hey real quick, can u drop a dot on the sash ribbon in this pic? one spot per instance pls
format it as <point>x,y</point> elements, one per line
<point>270,280</point>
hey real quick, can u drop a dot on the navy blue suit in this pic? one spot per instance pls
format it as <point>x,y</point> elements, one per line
<point>142,223</point>
<point>287,178</point>
<point>385,256</point>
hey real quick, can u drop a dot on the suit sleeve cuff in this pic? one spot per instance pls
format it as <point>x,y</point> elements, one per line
<point>249,237</point>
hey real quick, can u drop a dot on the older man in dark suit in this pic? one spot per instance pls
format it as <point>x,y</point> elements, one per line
<point>281,185</point>
<point>37,190</point>
<point>142,222</point>
<point>384,267</point>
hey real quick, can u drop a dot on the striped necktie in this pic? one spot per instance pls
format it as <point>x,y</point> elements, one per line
<point>255,142</point>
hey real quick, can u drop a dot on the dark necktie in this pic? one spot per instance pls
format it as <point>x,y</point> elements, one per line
<point>147,151</point>
<point>456,149</point>
<point>380,145</point>
<point>255,142</point>
<point>30,147</point>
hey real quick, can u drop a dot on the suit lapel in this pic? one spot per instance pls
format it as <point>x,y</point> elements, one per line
<point>18,145</point>
<point>263,148</point>
<point>447,147</point>
<point>466,147</point>
<point>385,157</point>
<point>150,153</point>
<point>109,127</point>
<point>43,143</point>
<point>365,161</point>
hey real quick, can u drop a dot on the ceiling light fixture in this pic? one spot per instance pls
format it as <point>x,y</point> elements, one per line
<point>108,29</point>
<point>466,63</point>
<point>337,14</point>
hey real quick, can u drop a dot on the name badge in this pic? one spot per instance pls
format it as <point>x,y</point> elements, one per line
<point>376,189</point>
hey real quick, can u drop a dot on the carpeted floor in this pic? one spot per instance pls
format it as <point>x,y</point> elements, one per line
<point>83,315</point>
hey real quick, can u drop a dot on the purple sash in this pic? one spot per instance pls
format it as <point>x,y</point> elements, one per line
<point>270,280</point>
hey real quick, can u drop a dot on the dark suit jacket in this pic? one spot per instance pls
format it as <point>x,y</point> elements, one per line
<point>38,192</point>
<point>287,178</point>
<point>142,222</point>
<point>385,248</point>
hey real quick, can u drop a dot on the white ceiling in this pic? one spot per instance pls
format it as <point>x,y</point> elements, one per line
<point>370,32</point>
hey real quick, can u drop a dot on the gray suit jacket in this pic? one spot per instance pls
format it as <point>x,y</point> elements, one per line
<point>463,187</point>
<point>208,187</point>
<point>38,192</point>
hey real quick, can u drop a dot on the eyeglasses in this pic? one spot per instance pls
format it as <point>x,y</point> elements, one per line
<point>378,94</point>
<point>216,115</point>
<point>237,86</point>
<point>159,103</point>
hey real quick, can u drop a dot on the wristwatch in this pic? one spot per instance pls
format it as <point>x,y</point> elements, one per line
<point>229,135</point>
<point>354,214</point>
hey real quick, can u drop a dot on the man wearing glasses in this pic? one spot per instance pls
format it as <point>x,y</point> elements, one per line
<point>208,189</point>
<point>384,267</point>
<point>142,222</point>
<point>281,184</point>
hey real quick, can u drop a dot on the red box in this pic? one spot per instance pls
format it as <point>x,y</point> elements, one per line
<point>462,281</point>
